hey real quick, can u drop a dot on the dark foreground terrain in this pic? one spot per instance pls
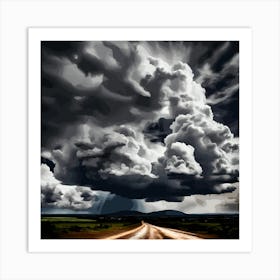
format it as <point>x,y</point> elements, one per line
<point>136,225</point>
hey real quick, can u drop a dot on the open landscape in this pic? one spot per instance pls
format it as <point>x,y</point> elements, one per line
<point>136,225</point>
<point>140,139</point>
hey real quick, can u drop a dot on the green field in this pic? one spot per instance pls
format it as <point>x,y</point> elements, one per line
<point>216,229</point>
<point>71,227</point>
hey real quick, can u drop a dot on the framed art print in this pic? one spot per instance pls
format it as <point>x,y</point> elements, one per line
<point>140,139</point>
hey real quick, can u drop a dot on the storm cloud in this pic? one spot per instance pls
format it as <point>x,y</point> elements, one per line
<point>140,120</point>
<point>54,194</point>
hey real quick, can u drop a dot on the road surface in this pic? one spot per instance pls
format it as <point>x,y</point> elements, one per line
<point>149,231</point>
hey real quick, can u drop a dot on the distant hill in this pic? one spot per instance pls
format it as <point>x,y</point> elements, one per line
<point>156,214</point>
<point>164,213</point>
<point>169,213</point>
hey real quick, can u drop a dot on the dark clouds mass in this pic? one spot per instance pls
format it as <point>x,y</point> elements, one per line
<point>142,120</point>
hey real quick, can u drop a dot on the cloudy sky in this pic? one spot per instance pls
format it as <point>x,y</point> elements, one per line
<point>141,126</point>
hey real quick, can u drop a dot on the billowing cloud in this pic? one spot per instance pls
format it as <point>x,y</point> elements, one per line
<point>126,118</point>
<point>54,194</point>
<point>179,158</point>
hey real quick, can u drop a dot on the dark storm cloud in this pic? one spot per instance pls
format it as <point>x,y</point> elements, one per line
<point>116,98</point>
<point>49,163</point>
<point>157,131</point>
<point>62,48</point>
<point>228,112</point>
<point>219,75</point>
<point>116,203</point>
<point>50,195</point>
<point>55,195</point>
<point>129,118</point>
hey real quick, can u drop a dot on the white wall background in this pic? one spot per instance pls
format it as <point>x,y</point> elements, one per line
<point>262,262</point>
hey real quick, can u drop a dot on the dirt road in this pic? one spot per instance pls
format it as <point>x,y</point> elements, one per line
<point>149,231</point>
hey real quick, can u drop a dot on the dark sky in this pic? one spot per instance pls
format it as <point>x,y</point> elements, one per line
<point>140,125</point>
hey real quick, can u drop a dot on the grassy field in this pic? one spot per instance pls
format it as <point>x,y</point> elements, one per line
<point>70,227</point>
<point>210,227</point>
